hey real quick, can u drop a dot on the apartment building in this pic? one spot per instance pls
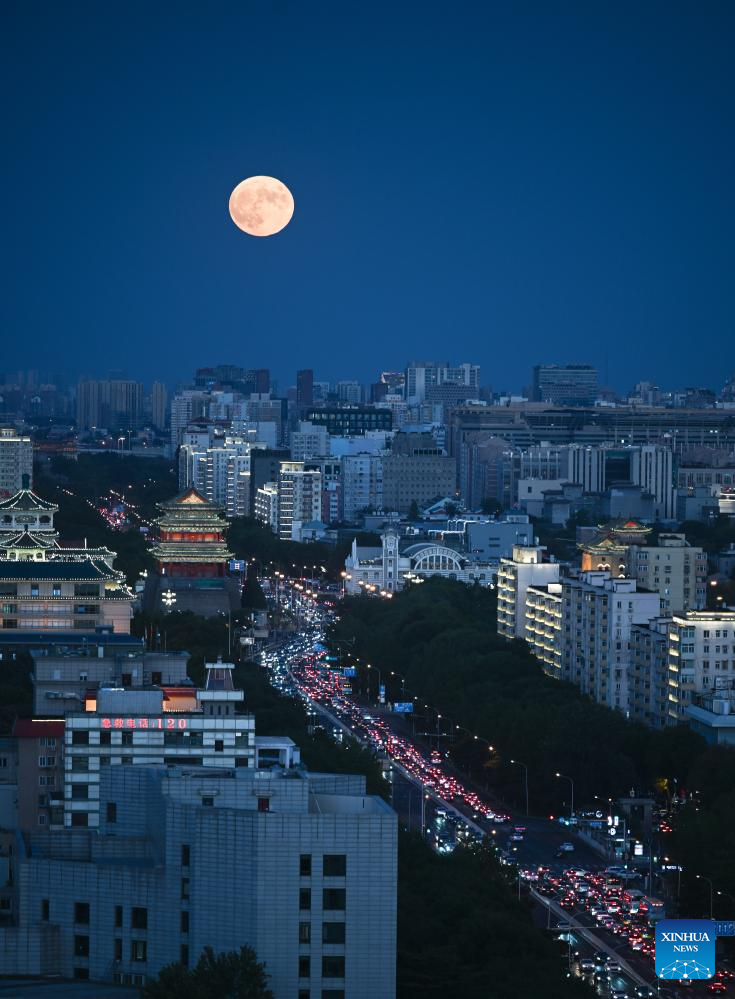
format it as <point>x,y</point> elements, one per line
<point>16,461</point>
<point>528,566</point>
<point>674,569</point>
<point>701,656</point>
<point>544,626</point>
<point>599,613</point>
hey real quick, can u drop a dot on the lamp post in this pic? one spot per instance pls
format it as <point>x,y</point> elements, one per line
<point>703,877</point>
<point>169,599</point>
<point>525,773</point>
<point>565,777</point>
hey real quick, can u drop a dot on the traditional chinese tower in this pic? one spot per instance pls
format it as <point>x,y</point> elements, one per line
<point>610,549</point>
<point>191,538</point>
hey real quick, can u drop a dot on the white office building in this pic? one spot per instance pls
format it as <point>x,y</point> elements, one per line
<point>701,657</point>
<point>528,566</point>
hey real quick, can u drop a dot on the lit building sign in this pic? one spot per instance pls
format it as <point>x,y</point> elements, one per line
<point>167,724</point>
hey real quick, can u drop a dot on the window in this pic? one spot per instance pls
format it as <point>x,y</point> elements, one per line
<point>333,899</point>
<point>305,865</point>
<point>335,865</point>
<point>47,761</point>
<point>118,949</point>
<point>305,899</point>
<point>127,738</point>
<point>333,967</point>
<point>304,967</point>
<point>56,590</point>
<point>264,804</point>
<point>81,912</point>
<point>208,801</point>
<point>81,973</point>
<point>185,854</point>
<point>184,887</point>
<point>184,927</point>
<point>304,994</point>
<point>80,764</point>
<point>219,745</point>
<point>184,955</point>
<point>111,811</point>
<point>333,933</point>
<point>34,589</point>
<point>45,910</point>
<point>139,918</point>
<point>304,933</point>
<point>138,950</point>
<point>80,792</point>
<point>80,738</point>
<point>81,946</point>
<point>105,738</point>
<point>118,916</point>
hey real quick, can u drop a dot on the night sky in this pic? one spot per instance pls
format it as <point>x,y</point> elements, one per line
<point>500,183</point>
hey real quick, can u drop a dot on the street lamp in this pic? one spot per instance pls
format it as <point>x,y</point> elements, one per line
<point>525,772</point>
<point>565,777</point>
<point>703,877</point>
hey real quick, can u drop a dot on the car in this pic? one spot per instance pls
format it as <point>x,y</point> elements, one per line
<point>644,992</point>
<point>717,988</point>
<point>567,847</point>
<point>586,965</point>
<point>613,967</point>
<point>619,994</point>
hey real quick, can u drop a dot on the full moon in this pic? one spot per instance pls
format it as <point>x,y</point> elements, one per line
<point>261,206</point>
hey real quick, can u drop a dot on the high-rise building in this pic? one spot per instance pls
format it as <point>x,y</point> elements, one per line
<point>304,388</point>
<point>16,461</point>
<point>349,391</point>
<point>701,657</point>
<point>187,405</point>
<point>565,385</point>
<point>309,441</point>
<point>159,405</point>
<point>416,471</point>
<point>674,569</point>
<point>423,375</point>
<point>599,613</point>
<point>220,472</point>
<point>362,484</point>
<point>114,403</point>
<point>528,566</point>
<point>299,497</point>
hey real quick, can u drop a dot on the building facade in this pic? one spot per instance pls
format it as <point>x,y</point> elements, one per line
<point>528,566</point>
<point>16,461</point>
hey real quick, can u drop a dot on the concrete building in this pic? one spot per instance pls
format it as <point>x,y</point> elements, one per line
<point>112,403</point>
<point>220,472</point>
<point>701,657</point>
<point>40,743</point>
<point>266,505</point>
<point>64,683</point>
<point>544,626</point>
<point>152,726</point>
<point>649,674</point>
<point>599,614</point>
<point>526,567</point>
<point>187,405</point>
<point>423,375</point>
<point>398,560</point>
<point>565,385</point>
<point>362,485</point>
<point>159,405</point>
<point>302,867</point>
<point>309,441</point>
<point>16,461</point>
<point>674,569</point>
<point>712,715</point>
<point>299,497</point>
<point>491,540</point>
<point>416,471</point>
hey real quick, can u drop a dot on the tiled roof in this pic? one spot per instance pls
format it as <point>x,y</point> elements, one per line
<point>26,499</point>
<point>82,570</point>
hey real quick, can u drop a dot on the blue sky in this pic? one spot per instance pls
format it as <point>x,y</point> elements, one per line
<point>502,183</point>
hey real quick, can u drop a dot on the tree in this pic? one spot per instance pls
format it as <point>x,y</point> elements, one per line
<point>230,975</point>
<point>253,597</point>
<point>413,511</point>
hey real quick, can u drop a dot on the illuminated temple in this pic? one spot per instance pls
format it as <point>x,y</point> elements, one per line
<point>191,556</point>
<point>609,548</point>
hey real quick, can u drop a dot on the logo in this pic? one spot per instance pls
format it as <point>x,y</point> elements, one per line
<point>685,948</point>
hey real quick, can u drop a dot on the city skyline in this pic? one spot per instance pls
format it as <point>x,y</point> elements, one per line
<point>553,188</point>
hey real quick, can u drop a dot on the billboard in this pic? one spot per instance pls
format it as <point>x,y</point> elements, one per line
<point>403,707</point>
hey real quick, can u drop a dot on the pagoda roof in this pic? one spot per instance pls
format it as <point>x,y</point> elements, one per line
<point>27,540</point>
<point>189,498</point>
<point>90,569</point>
<point>26,499</point>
